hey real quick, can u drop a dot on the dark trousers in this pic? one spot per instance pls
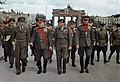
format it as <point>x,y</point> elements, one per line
<point>88,51</point>
<point>113,49</point>
<point>103,49</point>
<point>94,48</point>
<point>72,54</point>
<point>8,52</point>
<point>61,52</point>
<point>41,53</point>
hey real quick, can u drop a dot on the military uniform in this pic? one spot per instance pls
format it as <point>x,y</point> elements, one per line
<point>41,47</point>
<point>94,47</point>
<point>41,38</point>
<point>85,36</point>
<point>32,47</point>
<point>8,44</point>
<point>52,30</point>
<point>102,41</point>
<point>21,38</point>
<point>62,42</point>
<point>84,40</point>
<point>115,44</point>
<point>5,33</point>
<point>73,31</point>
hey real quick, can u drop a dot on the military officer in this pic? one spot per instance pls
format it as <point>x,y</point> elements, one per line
<point>102,42</point>
<point>51,28</point>
<point>94,47</point>
<point>5,31</point>
<point>34,26</point>
<point>42,41</point>
<point>115,43</point>
<point>21,38</point>
<point>10,47</point>
<point>85,36</point>
<point>62,44</point>
<point>73,31</point>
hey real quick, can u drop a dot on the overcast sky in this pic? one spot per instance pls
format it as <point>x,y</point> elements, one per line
<point>92,7</point>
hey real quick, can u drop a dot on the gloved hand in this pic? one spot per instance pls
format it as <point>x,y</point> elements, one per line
<point>31,44</point>
<point>69,48</point>
<point>50,48</point>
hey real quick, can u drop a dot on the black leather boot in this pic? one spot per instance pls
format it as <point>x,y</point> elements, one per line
<point>39,70</point>
<point>44,66</point>
<point>64,66</point>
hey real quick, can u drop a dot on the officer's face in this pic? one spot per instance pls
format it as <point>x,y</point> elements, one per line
<point>11,23</point>
<point>41,24</point>
<point>21,23</point>
<point>72,25</point>
<point>61,24</point>
<point>85,21</point>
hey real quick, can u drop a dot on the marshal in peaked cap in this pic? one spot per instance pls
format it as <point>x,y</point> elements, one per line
<point>21,19</point>
<point>40,17</point>
<point>61,20</point>
<point>117,25</point>
<point>85,17</point>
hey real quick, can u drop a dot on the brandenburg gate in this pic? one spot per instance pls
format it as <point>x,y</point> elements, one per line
<point>68,12</point>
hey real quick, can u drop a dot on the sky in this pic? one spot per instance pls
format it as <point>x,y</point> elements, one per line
<point>91,7</point>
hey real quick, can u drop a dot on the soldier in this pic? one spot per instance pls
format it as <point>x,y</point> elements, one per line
<point>102,42</point>
<point>73,31</point>
<point>62,44</point>
<point>85,36</point>
<point>21,38</point>
<point>41,38</point>
<point>115,43</point>
<point>34,26</point>
<point>94,47</point>
<point>50,27</point>
<point>5,38</point>
<point>10,47</point>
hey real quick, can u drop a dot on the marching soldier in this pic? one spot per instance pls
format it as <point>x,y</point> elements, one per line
<point>94,47</point>
<point>50,27</point>
<point>85,36</point>
<point>10,47</point>
<point>5,37</point>
<point>34,26</point>
<point>102,42</point>
<point>62,44</point>
<point>115,43</point>
<point>73,31</point>
<point>41,38</point>
<point>21,38</point>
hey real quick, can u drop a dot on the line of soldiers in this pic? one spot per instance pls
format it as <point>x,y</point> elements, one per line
<point>66,40</point>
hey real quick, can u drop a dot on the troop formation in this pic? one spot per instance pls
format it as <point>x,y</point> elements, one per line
<point>66,40</point>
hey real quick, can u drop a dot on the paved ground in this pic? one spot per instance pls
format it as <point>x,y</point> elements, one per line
<point>100,72</point>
